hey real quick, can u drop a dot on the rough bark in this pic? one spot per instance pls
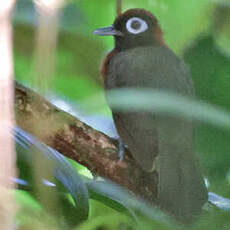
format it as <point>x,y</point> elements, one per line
<point>80,142</point>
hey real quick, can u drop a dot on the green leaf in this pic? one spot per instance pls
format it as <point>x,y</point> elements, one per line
<point>26,201</point>
<point>210,70</point>
<point>164,102</point>
<point>110,222</point>
<point>119,198</point>
<point>67,179</point>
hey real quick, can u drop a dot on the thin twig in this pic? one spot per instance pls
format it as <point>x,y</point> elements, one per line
<point>119,7</point>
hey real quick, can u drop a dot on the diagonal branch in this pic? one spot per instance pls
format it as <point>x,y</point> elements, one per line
<point>78,141</point>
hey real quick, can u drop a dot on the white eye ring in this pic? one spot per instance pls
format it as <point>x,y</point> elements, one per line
<point>143,25</point>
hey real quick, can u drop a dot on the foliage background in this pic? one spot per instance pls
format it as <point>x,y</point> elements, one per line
<point>198,31</point>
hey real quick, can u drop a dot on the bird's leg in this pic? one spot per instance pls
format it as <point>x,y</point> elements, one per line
<point>121,148</point>
<point>121,152</point>
<point>95,175</point>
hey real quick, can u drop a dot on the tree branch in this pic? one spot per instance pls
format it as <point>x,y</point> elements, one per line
<point>78,141</point>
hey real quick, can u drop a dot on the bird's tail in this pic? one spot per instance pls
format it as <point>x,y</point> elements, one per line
<point>182,191</point>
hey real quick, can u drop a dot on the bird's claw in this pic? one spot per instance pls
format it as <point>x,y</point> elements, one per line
<point>121,150</point>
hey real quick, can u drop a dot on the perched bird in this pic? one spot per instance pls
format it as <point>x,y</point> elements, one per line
<point>142,59</point>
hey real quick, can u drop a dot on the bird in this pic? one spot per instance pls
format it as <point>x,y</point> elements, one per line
<point>141,59</point>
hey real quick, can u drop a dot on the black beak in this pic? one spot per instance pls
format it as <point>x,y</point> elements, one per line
<point>108,31</point>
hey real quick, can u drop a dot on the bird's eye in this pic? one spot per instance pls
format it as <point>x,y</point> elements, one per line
<point>136,25</point>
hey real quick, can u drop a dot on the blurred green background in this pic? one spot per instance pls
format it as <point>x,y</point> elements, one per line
<point>197,30</point>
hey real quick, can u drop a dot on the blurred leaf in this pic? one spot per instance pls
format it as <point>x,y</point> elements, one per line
<point>163,102</point>
<point>66,175</point>
<point>217,219</point>
<point>211,74</point>
<point>70,18</point>
<point>221,27</point>
<point>26,201</point>
<point>210,70</point>
<point>25,12</point>
<point>107,222</point>
<point>76,51</point>
<point>99,13</point>
<point>28,220</point>
<point>115,197</point>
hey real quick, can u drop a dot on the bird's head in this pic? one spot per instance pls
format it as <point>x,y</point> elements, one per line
<point>134,28</point>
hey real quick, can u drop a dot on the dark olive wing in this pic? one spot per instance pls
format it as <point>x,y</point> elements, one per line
<point>140,138</point>
<point>152,67</point>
